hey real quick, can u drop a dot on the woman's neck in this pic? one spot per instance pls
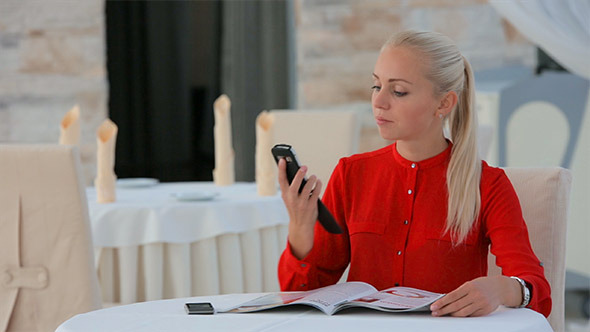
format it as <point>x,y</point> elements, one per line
<point>419,150</point>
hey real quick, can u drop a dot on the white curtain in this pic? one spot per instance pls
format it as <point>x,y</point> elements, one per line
<point>560,27</point>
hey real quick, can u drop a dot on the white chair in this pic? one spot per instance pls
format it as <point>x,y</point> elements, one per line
<point>544,198</point>
<point>485,134</point>
<point>46,263</point>
<point>320,138</point>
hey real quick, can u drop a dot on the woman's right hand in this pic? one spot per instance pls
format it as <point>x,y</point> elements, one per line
<point>302,208</point>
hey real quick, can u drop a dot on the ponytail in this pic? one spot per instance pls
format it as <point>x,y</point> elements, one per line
<point>464,171</point>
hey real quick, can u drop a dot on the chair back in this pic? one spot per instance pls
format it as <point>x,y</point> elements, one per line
<point>544,198</point>
<point>320,138</point>
<point>485,134</point>
<point>47,264</point>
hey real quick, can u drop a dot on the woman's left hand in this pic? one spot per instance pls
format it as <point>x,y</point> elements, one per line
<point>479,297</point>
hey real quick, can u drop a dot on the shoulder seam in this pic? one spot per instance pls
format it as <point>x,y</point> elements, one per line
<point>367,155</point>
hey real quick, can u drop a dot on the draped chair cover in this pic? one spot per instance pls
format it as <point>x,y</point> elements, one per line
<point>46,266</point>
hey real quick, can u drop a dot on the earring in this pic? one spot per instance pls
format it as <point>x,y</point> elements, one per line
<point>440,116</point>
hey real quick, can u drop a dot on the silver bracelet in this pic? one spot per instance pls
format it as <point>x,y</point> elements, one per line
<point>526,294</point>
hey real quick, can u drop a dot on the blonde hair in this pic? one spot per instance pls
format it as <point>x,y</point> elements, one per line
<point>449,71</point>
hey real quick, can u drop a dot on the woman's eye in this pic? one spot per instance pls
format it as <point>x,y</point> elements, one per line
<point>376,88</point>
<point>399,94</point>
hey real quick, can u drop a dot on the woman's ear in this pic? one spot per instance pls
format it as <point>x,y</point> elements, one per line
<point>447,103</point>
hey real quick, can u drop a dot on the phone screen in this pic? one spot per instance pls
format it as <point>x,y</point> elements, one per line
<point>285,151</point>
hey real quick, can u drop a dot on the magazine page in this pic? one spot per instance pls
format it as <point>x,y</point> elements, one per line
<point>326,298</point>
<point>397,299</point>
<point>269,301</point>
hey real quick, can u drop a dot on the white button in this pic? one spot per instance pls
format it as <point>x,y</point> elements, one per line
<point>405,222</point>
<point>409,191</point>
<point>413,165</point>
<point>399,253</point>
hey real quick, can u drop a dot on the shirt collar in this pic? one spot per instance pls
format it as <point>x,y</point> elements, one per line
<point>426,163</point>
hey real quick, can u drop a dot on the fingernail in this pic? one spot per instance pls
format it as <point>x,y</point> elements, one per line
<point>303,168</point>
<point>433,307</point>
<point>434,313</point>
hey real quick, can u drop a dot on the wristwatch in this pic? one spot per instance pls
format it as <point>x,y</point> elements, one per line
<point>526,293</point>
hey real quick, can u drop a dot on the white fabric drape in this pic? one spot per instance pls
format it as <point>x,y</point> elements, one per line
<point>561,28</point>
<point>225,264</point>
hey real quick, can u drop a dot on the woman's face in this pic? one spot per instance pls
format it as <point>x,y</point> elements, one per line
<point>403,99</point>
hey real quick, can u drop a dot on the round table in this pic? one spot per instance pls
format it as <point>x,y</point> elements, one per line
<point>152,245</point>
<point>169,315</point>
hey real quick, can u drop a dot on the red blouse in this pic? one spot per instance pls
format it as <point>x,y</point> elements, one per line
<point>393,213</point>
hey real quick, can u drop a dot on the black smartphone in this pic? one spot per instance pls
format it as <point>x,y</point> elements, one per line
<point>199,308</point>
<point>285,151</point>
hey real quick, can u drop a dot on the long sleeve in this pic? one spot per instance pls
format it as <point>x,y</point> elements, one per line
<point>507,231</point>
<point>330,254</point>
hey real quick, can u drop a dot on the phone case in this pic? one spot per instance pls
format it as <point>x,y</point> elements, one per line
<point>200,308</point>
<point>325,218</point>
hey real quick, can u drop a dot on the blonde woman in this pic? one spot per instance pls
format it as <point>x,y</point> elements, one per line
<point>423,211</point>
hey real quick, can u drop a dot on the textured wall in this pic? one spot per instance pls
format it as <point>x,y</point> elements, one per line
<point>52,56</point>
<point>338,41</point>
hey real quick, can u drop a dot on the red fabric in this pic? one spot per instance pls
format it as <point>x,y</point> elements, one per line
<point>369,195</point>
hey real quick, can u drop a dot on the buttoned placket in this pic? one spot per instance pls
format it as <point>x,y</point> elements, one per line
<point>410,193</point>
<point>305,267</point>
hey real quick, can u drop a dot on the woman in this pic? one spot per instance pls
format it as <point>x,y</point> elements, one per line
<point>422,211</point>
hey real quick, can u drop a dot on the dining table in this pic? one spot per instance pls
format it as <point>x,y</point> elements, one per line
<point>168,240</point>
<point>170,315</point>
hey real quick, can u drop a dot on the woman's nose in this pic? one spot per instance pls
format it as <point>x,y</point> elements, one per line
<point>380,100</point>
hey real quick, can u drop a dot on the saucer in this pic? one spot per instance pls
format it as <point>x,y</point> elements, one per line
<point>195,195</point>
<point>137,182</point>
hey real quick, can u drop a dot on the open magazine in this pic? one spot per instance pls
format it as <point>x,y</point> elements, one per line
<point>331,299</point>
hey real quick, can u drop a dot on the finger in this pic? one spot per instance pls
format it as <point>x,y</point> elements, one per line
<point>315,194</point>
<point>308,188</point>
<point>283,182</point>
<point>449,298</point>
<point>466,311</point>
<point>296,183</point>
<point>481,312</point>
<point>454,307</point>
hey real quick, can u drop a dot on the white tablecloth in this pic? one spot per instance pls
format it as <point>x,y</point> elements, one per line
<point>169,315</point>
<point>152,246</point>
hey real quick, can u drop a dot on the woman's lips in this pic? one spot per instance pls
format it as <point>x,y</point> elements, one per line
<point>381,121</point>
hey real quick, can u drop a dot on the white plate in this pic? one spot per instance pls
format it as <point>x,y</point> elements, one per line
<point>137,182</point>
<point>195,195</point>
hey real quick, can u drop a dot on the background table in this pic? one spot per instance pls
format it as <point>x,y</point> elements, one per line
<point>169,315</point>
<point>150,246</point>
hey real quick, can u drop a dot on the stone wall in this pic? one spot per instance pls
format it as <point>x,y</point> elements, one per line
<point>338,41</point>
<point>52,56</point>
